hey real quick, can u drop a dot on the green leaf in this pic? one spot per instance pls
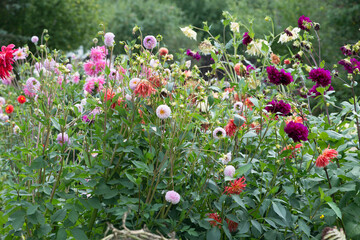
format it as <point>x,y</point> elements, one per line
<point>213,234</point>
<point>107,70</point>
<point>238,120</point>
<point>58,216</point>
<point>31,209</point>
<point>304,227</point>
<point>61,235</point>
<point>17,219</point>
<point>242,170</point>
<point>280,210</point>
<point>321,193</point>
<point>250,134</point>
<point>55,123</point>
<point>78,234</point>
<point>43,230</point>
<point>238,200</point>
<point>336,209</point>
<point>322,64</point>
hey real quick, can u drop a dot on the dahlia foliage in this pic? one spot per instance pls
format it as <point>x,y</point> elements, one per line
<point>226,140</point>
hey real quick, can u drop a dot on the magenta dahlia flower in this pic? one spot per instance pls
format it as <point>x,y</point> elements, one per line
<point>297,131</point>
<point>304,23</point>
<point>351,65</point>
<point>278,107</point>
<point>246,39</point>
<point>321,76</point>
<point>277,77</point>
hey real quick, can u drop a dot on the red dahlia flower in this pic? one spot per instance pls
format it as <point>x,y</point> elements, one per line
<point>217,220</point>
<point>6,60</point>
<point>232,225</point>
<point>9,109</point>
<point>237,186</point>
<point>144,89</point>
<point>21,99</point>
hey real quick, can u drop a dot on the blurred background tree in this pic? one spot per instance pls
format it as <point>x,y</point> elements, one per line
<point>70,23</point>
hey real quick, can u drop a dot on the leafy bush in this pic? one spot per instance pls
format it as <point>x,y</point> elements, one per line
<point>142,135</point>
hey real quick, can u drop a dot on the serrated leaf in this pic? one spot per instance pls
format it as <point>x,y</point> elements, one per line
<point>61,234</point>
<point>78,234</point>
<point>58,216</point>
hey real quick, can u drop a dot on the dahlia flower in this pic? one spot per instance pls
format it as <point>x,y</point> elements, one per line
<point>189,32</point>
<point>19,54</point>
<point>297,131</point>
<point>246,39</point>
<point>217,220</point>
<point>134,82</point>
<point>289,35</point>
<point>226,158</point>
<point>231,128</point>
<point>229,171</point>
<point>163,51</point>
<point>94,84</point>
<point>9,109</point>
<point>163,111</point>
<point>219,132</point>
<point>206,47</point>
<point>97,53</point>
<point>234,27</point>
<point>321,76</point>
<point>172,197</point>
<point>6,60</point>
<point>304,23</point>
<point>32,85</point>
<point>149,42</point>
<point>238,107</point>
<point>21,99</point>
<point>278,107</point>
<point>109,39</point>
<point>34,39</point>
<point>236,186</point>
<point>326,156</point>
<point>63,138</point>
<point>144,89</point>
<point>277,77</point>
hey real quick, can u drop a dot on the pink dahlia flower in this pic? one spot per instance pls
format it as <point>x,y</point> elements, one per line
<point>172,197</point>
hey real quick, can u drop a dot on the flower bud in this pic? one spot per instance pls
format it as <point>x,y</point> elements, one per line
<point>95,40</point>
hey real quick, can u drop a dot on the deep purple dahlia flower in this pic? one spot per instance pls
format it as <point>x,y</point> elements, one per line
<point>321,76</point>
<point>297,131</point>
<point>303,23</point>
<point>246,39</point>
<point>279,107</point>
<point>277,77</point>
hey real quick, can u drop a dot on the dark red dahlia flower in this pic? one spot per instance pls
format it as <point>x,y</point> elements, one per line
<point>297,131</point>
<point>321,76</point>
<point>246,39</point>
<point>304,23</point>
<point>278,107</point>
